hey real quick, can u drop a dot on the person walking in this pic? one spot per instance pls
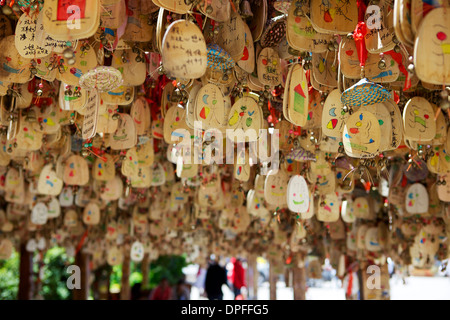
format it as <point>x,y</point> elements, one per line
<point>162,291</point>
<point>237,277</point>
<point>182,291</point>
<point>201,276</point>
<point>216,276</point>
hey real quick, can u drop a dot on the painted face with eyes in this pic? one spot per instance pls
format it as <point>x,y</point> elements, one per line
<point>298,195</point>
<point>440,36</point>
<point>329,208</point>
<point>246,114</point>
<point>418,117</point>
<point>348,54</point>
<point>275,188</point>
<point>361,208</point>
<point>157,127</point>
<point>417,199</point>
<point>432,49</point>
<point>333,118</point>
<point>269,67</point>
<point>362,134</point>
<point>137,251</point>
<point>91,214</point>
<point>210,107</point>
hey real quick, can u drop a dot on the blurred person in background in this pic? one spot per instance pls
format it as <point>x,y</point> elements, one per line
<point>216,276</point>
<point>162,291</point>
<point>182,291</point>
<point>201,276</point>
<point>237,277</point>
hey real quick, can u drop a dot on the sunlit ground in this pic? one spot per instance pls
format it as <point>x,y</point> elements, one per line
<point>416,288</point>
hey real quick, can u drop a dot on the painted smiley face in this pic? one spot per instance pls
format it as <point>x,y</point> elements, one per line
<point>137,111</point>
<point>157,127</point>
<point>275,188</point>
<point>298,195</point>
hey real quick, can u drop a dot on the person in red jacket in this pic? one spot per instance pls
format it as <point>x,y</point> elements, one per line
<point>163,291</point>
<point>237,277</point>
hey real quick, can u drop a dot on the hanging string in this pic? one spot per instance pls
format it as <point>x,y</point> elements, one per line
<point>359,36</point>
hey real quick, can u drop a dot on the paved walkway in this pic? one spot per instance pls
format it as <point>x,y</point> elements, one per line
<point>416,288</point>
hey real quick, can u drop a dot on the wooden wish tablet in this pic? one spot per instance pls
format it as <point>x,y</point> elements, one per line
<point>71,20</point>
<point>362,135</point>
<point>183,51</point>
<point>432,48</point>
<point>418,120</point>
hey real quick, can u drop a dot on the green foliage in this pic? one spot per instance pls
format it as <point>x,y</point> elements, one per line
<point>9,277</point>
<point>169,267</point>
<point>53,282</point>
<point>54,285</point>
<point>55,274</point>
<point>116,276</point>
<point>165,266</point>
<point>136,274</point>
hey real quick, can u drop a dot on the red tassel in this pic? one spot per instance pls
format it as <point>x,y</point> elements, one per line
<point>350,283</point>
<point>273,117</point>
<point>396,97</point>
<point>128,11</point>
<point>80,244</point>
<point>361,10</point>
<point>399,59</point>
<point>404,181</point>
<point>199,21</point>
<point>359,35</point>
